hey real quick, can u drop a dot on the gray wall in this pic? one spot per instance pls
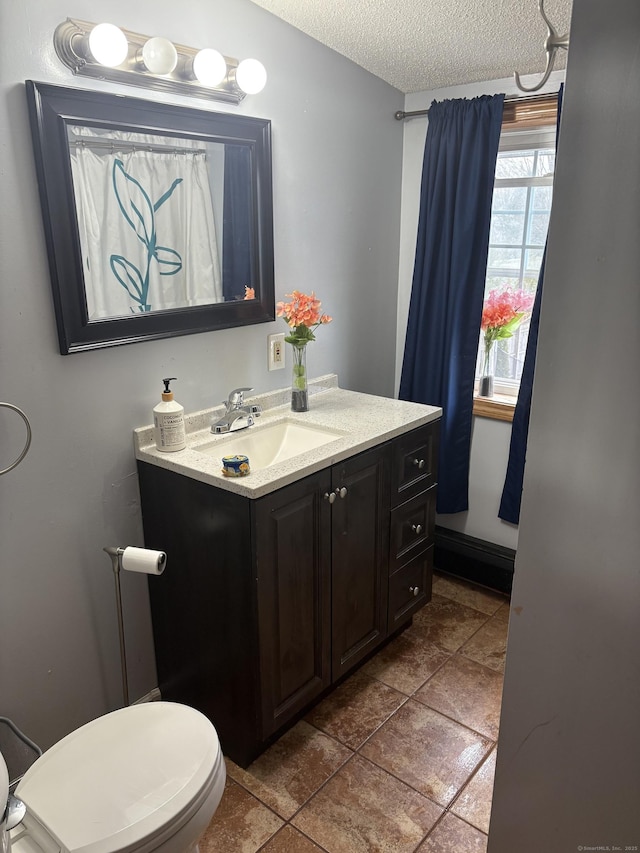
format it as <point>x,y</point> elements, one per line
<point>567,770</point>
<point>337,176</point>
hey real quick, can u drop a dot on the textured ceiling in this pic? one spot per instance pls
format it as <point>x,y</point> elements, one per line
<point>418,45</point>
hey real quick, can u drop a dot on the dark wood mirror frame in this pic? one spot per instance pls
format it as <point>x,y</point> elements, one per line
<point>51,110</point>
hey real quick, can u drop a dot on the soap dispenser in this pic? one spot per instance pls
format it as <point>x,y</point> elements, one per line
<point>168,421</point>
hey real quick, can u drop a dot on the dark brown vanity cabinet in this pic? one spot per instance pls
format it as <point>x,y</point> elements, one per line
<point>265,603</point>
<point>321,592</point>
<point>293,598</point>
<point>413,500</point>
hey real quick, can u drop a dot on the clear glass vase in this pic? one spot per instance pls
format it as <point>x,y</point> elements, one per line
<point>485,386</point>
<point>299,389</point>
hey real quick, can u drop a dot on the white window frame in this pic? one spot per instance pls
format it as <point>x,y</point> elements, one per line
<point>517,140</point>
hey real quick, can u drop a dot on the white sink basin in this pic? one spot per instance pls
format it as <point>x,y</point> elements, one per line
<point>269,445</point>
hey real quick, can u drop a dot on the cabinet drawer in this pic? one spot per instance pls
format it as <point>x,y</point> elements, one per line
<point>415,462</point>
<point>410,589</point>
<point>412,526</point>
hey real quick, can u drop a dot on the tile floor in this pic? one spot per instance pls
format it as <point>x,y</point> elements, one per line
<point>400,758</point>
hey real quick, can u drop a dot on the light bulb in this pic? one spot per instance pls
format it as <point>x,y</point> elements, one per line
<point>209,67</point>
<point>159,55</point>
<point>251,76</point>
<point>108,45</point>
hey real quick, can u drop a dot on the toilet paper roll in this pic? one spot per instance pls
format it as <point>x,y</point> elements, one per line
<point>144,560</point>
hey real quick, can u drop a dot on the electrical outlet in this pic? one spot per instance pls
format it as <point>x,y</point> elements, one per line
<point>276,351</point>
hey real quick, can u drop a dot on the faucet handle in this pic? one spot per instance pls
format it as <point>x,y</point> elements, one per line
<point>236,397</point>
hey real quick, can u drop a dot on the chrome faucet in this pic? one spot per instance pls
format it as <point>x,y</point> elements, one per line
<point>237,415</point>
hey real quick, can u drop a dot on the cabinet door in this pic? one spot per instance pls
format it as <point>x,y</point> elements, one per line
<point>359,549</point>
<point>294,597</point>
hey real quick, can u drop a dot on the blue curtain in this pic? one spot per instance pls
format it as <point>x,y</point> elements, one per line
<point>236,228</point>
<point>449,276</point>
<point>512,490</point>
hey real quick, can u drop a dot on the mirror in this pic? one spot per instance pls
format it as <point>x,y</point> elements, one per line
<point>158,218</point>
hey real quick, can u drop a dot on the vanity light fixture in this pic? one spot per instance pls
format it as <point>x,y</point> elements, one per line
<point>108,45</point>
<point>106,52</point>
<point>159,56</point>
<point>209,67</point>
<point>251,76</point>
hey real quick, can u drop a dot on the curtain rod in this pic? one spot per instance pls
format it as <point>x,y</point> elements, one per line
<point>126,147</point>
<point>400,115</point>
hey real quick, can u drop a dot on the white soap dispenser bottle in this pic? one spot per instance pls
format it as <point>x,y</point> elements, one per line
<point>168,421</point>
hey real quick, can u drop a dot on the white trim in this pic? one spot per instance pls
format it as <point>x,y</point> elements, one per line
<point>520,140</point>
<point>541,181</point>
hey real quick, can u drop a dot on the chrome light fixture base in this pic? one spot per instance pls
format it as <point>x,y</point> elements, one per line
<point>71,42</point>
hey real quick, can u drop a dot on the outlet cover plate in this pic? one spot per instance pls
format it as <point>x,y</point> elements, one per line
<point>275,359</point>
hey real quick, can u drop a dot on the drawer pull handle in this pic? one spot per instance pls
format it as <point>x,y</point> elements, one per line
<point>329,496</point>
<point>415,590</point>
<point>342,492</point>
<point>419,463</point>
<point>417,529</point>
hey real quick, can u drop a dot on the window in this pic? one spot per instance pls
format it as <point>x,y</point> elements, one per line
<point>519,222</point>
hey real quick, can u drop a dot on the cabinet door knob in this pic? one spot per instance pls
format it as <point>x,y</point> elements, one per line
<point>342,492</point>
<point>415,590</point>
<point>419,463</point>
<point>417,529</point>
<point>329,496</point>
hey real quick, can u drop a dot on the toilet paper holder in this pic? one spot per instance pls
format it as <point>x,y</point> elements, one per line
<point>155,565</point>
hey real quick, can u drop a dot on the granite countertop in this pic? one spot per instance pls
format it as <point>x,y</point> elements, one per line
<point>360,421</point>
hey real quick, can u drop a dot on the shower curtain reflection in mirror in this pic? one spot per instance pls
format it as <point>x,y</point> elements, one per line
<point>146,221</point>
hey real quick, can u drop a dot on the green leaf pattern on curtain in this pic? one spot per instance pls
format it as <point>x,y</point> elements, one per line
<point>139,212</point>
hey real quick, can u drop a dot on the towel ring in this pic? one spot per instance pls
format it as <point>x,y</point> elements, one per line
<point>25,449</point>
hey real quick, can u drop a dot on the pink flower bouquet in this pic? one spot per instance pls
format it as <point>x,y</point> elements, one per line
<point>502,313</point>
<point>303,315</point>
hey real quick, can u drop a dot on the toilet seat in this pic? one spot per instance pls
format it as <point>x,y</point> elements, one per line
<point>126,781</point>
<point>4,796</point>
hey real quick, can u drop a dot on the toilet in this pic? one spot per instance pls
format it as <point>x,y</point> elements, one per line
<point>4,796</point>
<point>148,777</point>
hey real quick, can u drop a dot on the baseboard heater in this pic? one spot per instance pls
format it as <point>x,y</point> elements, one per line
<point>474,559</point>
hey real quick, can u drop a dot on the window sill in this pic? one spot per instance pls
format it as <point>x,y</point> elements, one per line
<point>499,407</point>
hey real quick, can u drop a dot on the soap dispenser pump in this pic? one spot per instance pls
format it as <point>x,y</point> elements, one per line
<point>168,421</point>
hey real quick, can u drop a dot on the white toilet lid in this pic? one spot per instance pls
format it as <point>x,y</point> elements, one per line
<point>4,786</point>
<point>119,780</point>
